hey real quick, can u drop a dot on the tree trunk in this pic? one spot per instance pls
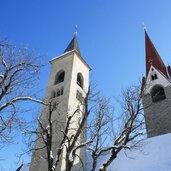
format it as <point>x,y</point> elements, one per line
<point>94,164</point>
<point>69,164</point>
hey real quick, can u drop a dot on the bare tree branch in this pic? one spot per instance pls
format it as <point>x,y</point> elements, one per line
<point>18,73</point>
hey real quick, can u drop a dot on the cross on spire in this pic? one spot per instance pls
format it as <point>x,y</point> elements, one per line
<point>144,26</point>
<point>76,30</point>
<point>73,45</point>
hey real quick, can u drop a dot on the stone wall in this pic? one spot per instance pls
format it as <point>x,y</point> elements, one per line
<point>158,114</point>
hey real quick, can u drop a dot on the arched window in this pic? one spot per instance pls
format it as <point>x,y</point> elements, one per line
<point>80,80</point>
<point>79,96</point>
<point>59,77</point>
<point>62,91</point>
<point>154,77</point>
<point>157,93</point>
<point>58,92</point>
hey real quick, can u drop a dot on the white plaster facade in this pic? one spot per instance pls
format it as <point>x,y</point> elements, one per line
<point>71,63</point>
<point>161,80</point>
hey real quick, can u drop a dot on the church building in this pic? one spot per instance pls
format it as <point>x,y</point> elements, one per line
<point>156,92</point>
<point>69,83</point>
<point>154,154</point>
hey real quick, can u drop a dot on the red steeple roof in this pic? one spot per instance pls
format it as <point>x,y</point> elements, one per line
<point>152,57</point>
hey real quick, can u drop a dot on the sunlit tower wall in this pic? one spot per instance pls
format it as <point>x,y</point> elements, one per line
<point>68,84</point>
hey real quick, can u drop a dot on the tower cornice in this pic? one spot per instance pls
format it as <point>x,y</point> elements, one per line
<point>66,54</point>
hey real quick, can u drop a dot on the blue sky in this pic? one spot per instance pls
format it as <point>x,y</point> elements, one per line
<point>110,36</point>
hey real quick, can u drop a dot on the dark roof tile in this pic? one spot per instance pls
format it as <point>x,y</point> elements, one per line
<point>73,45</point>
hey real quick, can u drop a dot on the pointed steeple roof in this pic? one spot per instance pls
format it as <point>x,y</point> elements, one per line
<point>152,57</point>
<point>73,45</point>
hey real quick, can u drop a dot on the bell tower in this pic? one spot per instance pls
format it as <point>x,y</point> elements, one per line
<point>68,84</point>
<point>156,92</point>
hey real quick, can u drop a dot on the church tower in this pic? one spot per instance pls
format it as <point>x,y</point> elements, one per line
<point>68,84</point>
<point>156,92</point>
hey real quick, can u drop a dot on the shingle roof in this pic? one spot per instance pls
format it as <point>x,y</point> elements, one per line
<point>152,57</point>
<point>73,45</point>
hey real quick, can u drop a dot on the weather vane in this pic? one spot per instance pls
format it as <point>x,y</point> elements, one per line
<point>144,26</point>
<point>76,29</point>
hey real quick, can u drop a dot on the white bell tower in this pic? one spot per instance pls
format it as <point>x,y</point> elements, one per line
<point>68,83</point>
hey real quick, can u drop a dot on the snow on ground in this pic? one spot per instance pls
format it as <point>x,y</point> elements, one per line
<point>154,155</point>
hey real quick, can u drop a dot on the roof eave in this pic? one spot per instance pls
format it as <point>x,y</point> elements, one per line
<point>69,52</point>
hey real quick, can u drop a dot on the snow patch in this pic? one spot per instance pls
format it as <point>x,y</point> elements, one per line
<point>154,155</point>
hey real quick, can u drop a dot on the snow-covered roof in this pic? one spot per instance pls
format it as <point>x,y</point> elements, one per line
<point>154,155</point>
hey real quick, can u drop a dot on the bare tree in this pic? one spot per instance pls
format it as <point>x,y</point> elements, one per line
<point>18,74</point>
<point>131,129</point>
<point>20,167</point>
<point>100,125</point>
<point>103,137</point>
<point>72,139</point>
